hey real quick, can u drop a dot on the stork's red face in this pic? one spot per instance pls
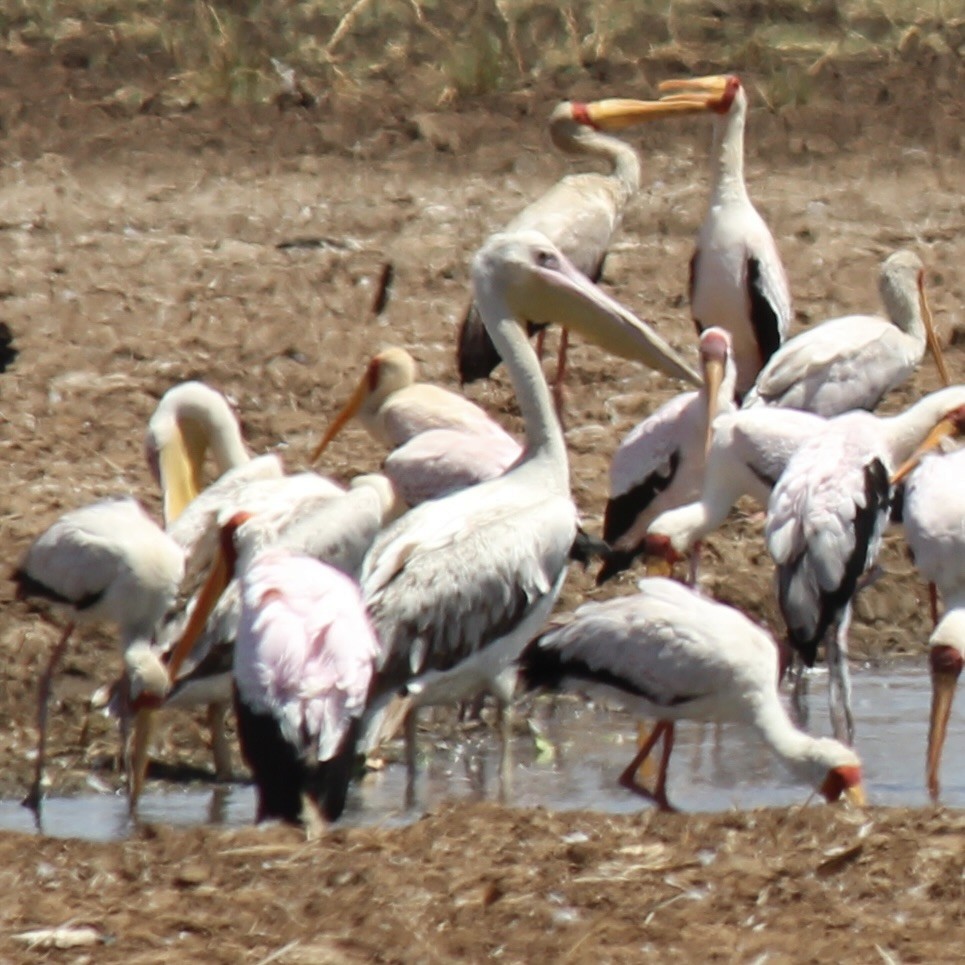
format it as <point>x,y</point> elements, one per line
<point>658,555</point>
<point>844,780</point>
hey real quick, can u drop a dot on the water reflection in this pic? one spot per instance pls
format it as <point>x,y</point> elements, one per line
<point>712,769</point>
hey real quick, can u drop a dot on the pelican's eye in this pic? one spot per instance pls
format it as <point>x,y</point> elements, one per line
<point>547,259</point>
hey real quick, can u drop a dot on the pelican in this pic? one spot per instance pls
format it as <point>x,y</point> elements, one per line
<point>671,654</point>
<point>440,440</point>
<point>579,215</point>
<point>192,664</point>
<point>737,281</point>
<point>303,665</point>
<point>105,562</point>
<point>853,362</point>
<point>660,463</point>
<point>457,586</point>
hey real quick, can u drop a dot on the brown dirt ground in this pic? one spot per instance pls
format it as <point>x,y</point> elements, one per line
<point>139,248</point>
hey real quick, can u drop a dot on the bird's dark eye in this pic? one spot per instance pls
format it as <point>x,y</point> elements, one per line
<point>547,259</point>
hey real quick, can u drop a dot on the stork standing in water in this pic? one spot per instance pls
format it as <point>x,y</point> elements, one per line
<point>737,281</point>
<point>579,215</point>
<point>440,440</point>
<point>105,562</point>
<point>660,463</point>
<point>671,654</point>
<point>852,362</point>
<point>934,507</point>
<point>457,586</point>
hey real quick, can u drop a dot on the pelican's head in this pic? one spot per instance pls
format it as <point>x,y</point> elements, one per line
<point>946,657</point>
<point>190,419</point>
<point>523,274</point>
<point>950,426</point>
<point>388,372</point>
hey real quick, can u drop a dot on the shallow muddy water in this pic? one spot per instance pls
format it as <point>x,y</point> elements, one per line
<point>712,769</point>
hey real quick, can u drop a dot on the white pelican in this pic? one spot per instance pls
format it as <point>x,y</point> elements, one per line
<point>303,664</point>
<point>660,463</point>
<point>108,561</point>
<point>579,215</point>
<point>440,440</point>
<point>852,362</point>
<point>457,586</point>
<point>737,280</point>
<point>671,654</point>
<point>191,666</point>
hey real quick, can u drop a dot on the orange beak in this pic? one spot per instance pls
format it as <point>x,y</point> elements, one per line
<point>946,665</point>
<point>616,114</point>
<point>144,719</point>
<point>713,376</point>
<point>349,410</point>
<point>930,334</point>
<point>943,430</point>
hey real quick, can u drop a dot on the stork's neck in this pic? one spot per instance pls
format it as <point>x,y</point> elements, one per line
<point>904,309</point>
<point>544,437</point>
<point>791,745</point>
<point>623,159</point>
<point>906,431</point>
<point>727,171</point>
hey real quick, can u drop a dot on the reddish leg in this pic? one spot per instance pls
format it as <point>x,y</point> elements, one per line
<point>540,342</point>
<point>665,729</point>
<point>32,800</point>
<point>933,600</point>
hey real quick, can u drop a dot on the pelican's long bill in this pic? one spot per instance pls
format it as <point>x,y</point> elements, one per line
<point>179,474</point>
<point>567,297</point>
<point>930,334</point>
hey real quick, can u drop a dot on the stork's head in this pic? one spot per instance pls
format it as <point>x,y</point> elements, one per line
<point>388,372</point>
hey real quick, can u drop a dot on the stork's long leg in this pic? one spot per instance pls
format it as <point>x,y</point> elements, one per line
<point>504,717</point>
<point>32,800</point>
<point>839,680</point>
<point>664,729</point>
<point>797,674</point>
<point>220,746</point>
<point>933,601</point>
<point>410,756</point>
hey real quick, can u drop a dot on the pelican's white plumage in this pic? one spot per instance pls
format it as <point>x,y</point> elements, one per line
<point>457,586</point>
<point>671,654</point>
<point>853,362</point>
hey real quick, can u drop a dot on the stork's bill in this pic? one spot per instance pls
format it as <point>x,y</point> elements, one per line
<point>348,411</point>
<point>946,667</point>
<point>931,336</point>
<point>845,781</point>
<point>949,427</point>
<point>689,96</point>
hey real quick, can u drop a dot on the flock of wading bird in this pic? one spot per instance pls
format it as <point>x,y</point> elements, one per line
<point>329,616</point>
